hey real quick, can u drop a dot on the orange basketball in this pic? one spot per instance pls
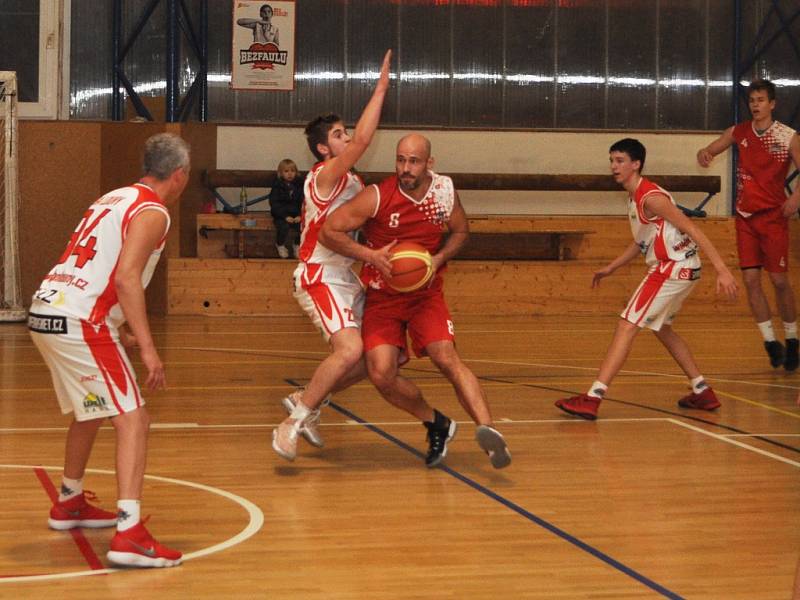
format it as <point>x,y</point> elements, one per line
<point>411,267</point>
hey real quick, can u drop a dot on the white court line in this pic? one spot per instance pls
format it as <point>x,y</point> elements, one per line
<point>346,423</point>
<point>526,364</point>
<point>727,440</point>
<point>255,523</point>
<point>760,434</point>
<point>631,372</point>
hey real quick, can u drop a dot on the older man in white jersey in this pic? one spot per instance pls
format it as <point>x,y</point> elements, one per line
<point>76,320</point>
<point>325,286</point>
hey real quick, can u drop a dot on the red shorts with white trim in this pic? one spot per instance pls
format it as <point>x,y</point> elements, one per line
<point>658,298</point>
<point>763,241</point>
<point>422,314</point>
<point>91,373</point>
<point>333,297</point>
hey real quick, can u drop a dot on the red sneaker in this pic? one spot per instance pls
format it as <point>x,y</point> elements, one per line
<point>135,547</point>
<point>77,512</point>
<point>705,400</point>
<point>582,406</point>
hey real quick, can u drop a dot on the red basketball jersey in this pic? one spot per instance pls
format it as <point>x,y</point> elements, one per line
<point>400,217</point>
<point>763,165</point>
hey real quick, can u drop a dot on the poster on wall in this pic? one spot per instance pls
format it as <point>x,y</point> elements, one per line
<point>263,45</point>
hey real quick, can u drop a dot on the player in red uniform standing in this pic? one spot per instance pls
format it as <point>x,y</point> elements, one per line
<point>76,320</point>
<point>414,206</point>
<point>766,149</point>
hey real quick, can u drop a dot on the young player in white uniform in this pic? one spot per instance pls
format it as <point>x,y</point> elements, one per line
<point>325,286</point>
<point>75,321</point>
<point>669,241</point>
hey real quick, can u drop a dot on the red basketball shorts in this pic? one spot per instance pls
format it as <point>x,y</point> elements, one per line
<point>423,315</point>
<point>763,241</point>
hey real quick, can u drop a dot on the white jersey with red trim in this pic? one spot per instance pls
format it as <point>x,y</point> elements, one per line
<point>316,210</point>
<point>81,284</point>
<point>659,240</point>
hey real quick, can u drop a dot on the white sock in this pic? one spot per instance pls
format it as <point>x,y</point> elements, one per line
<point>70,488</point>
<point>598,390</point>
<point>698,384</point>
<point>300,412</point>
<point>128,514</point>
<point>767,331</point>
<point>790,329</point>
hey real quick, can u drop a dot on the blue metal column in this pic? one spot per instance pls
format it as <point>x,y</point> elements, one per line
<point>203,112</point>
<point>116,33</point>
<point>737,50</point>
<point>173,61</point>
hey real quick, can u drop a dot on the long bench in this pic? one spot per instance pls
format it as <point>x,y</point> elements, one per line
<point>495,237</point>
<point>500,237</point>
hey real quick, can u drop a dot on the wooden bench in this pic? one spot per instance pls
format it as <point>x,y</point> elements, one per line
<point>495,237</point>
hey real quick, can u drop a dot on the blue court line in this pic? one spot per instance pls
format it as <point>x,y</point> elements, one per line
<point>517,509</point>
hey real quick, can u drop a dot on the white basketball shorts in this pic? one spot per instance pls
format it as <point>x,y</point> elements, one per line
<point>91,373</point>
<point>658,298</point>
<point>333,297</point>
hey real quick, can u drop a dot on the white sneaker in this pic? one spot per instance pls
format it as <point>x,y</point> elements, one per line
<point>284,439</point>
<point>310,427</point>
<point>492,442</point>
<point>283,251</point>
<point>295,251</point>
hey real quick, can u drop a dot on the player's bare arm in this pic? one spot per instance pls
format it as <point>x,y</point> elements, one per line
<point>350,217</point>
<point>722,143</point>
<point>793,201</point>
<point>660,205</point>
<point>251,23</point>
<point>144,234</point>
<point>126,338</point>
<point>458,227</point>
<point>364,130</point>
<point>630,252</point>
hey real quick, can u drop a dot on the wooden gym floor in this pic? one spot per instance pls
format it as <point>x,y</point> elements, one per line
<point>649,501</point>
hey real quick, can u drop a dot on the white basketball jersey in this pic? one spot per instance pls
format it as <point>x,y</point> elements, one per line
<point>81,284</point>
<point>659,240</point>
<point>316,210</point>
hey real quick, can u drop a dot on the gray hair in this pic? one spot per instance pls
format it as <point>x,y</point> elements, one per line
<point>164,153</point>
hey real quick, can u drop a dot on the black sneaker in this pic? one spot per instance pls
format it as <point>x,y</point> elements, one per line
<point>438,438</point>
<point>776,353</point>
<point>792,354</point>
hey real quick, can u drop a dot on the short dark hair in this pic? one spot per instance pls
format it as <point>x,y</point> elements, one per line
<point>633,148</point>
<point>317,132</point>
<point>760,85</point>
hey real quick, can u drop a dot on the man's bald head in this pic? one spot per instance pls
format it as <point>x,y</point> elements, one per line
<point>413,161</point>
<point>416,144</point>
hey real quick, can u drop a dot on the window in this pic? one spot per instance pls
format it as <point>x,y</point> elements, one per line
<point>31,27</point>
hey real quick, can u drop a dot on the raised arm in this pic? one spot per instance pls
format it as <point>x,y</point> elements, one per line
<point>362,134</point>
<point>660,205</point>
<point>458,227</point>
<point>719,145</point>
<point>350,217</point>
<point>144,234</point>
